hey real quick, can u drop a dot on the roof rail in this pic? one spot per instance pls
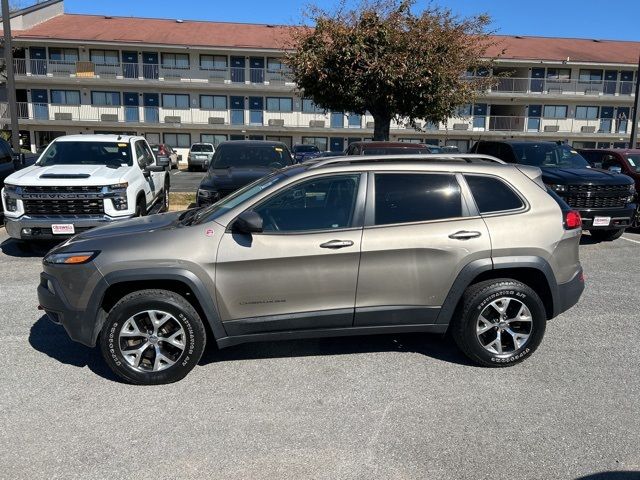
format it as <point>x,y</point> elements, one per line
<point>424,157</point>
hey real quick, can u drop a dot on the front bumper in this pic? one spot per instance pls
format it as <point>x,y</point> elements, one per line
<point>41,226</point>
<point>569,293</point>
<point>620,217</point>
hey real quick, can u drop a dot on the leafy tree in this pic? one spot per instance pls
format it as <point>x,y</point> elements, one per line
<point>383,58</point>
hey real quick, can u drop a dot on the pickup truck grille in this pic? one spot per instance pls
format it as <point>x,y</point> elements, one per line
<point>92,206</point>
<point>597,196</point>
<point>72,189</point>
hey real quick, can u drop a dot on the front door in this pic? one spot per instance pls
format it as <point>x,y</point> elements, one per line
<point>38,59</point>
<point>417,238</point>
<point>130,64</point>
<point>237,110</point>
<point>151,102</point>
<point>256,107</point>
<point>131,111</point>
<point>256,64</point>
<point>336,144</point>
<point>301,271</point>
<point>606,119</point>
<point>150,68</point>
<point>610,82</point>
<point>622,119</point>
<point>537,80</point>
<point>533,118</point>
<point>237,69</point>
<point>626,82</point>
<point>40,101</point>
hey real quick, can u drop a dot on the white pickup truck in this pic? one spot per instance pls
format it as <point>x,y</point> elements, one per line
<point>83,181</point>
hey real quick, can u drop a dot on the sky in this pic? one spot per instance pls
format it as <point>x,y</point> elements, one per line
<point>595,19</point>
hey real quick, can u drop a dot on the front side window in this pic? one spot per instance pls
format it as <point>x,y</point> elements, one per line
<point>492,195</point>
<point>143,155</point>
<point>416,197</point>
<point>105,98</point>
<point>178,140</point>
<point>586,113</point>
<point>173,100</point>
<point>634,161</point>
<point>86,153</point>
<point>65,97</point>
<point>548,155</point>
<point>555,111</point>
<point>213,102</point>
<point>175,60</point>
<point>326,203</point>
<point>279,104</point>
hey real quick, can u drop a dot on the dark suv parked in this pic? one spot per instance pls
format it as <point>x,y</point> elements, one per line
<point>604,199</point>
<point>625,161</point>
<point>237,163</point>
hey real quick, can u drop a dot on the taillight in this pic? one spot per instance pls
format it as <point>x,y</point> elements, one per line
<point>572,220</point>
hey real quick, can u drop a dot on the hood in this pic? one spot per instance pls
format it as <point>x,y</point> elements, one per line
<point>68,175</point>
<point>583,176</point>
<point>233,178</point>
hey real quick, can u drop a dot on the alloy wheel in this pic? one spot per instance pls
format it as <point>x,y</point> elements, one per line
<point>504,326</point>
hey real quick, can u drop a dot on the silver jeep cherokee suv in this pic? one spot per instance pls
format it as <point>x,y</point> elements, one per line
<point>342,246</point>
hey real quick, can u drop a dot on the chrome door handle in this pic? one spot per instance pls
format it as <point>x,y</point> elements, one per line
<point>464,235</point>
<point>336,244</point>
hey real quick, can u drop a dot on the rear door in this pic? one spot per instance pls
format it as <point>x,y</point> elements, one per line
<point>419,233</point>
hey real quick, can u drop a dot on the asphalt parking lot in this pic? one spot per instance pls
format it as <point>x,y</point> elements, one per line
<point>399,406</point>
<point>185,181</point>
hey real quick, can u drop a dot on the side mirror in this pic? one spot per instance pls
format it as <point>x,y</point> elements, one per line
<point>615,169</point>
<point>248,222</point>
<point>162,161</point>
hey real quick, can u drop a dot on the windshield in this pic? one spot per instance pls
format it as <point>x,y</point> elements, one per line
<point>305,148</point>
<point>549,155</point>
<point>155,148</point>
<point>248,156</point>
<point>236,198</point>
<point>634,161</point>
<point>86,153</point>
<point>395,151</point>
<point>202,148</point>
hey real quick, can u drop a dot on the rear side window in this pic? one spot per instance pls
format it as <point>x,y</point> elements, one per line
<point>416,197</point>
<point>492,194</point>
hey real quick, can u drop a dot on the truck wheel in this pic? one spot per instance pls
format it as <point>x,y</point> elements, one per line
<point>635,221</point>
<point>165,197</point>
<point>152,337</point>
<point>141,208</point>
<point>500,322</point>
<point>606,235</point>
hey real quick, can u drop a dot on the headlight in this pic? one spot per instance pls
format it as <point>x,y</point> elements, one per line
<point>10,188</point>
<point>11,202</point>
<point>118,186</point>
<point>74,258</point>
<point>557,188</point>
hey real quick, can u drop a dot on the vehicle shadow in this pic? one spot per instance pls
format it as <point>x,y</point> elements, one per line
<point>52,340</point>
<point>431,345</point>
<point>621,475</point>
<point>15,248</point>
<point>588,240</point>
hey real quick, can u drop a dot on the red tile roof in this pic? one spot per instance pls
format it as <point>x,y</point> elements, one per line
<point>94,28</point>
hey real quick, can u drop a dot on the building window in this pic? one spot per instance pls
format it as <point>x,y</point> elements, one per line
<point>174,100</point>
<point>152,138</point>
<point>320,142</point>
<point>276,65</point>
<point>105,98</point>
<point>175,60</point>
<point>354,120</point>
<point>590,76</point>
<point>288,141</point>
<point>555,111</point>
<point>63,54</point>
<point>213,62</point>
<point>309,107</point>
<point>214,139</point>
<point>279,104</point>
<point>105,57</point>
<point>213,102</point>
<point>463,111</point>
<point>177,140</point>
<point>558,74</point>
<point>65,97</point>
<point>586,113</point>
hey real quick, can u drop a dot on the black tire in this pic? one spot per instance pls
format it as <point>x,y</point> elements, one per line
<point>135,304</point>
<point>635,221</point>
<point>141,208</point>
<point>476,300</point>
<point>165,197</point>
<point>606,235</point>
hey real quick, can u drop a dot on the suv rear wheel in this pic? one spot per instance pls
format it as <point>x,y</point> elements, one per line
<point>500,322</point>
<point>152,337</point>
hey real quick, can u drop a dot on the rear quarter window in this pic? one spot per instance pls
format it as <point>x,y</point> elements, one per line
<point>492,194</point>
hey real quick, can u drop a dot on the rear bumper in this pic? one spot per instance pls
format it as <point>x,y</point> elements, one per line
<point>41,226</point>
<point>570,292</point>
<point>198,162</point>
<point>620,217</point>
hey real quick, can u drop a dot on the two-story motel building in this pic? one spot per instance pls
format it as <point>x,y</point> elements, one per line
<point>182,81</point>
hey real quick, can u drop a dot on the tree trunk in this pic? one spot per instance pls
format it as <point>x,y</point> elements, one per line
<point>382,124</point>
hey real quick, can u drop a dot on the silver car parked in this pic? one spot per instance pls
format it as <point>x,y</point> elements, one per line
<point>340,246</point>
<point>200,155</point>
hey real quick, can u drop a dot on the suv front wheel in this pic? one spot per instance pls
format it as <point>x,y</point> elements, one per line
<point>152,337</point>
<point>500,323</point>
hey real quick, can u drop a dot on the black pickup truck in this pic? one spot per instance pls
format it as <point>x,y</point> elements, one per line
<point>604,199</point>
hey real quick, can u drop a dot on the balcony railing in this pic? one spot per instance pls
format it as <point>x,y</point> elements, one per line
<point>563,87</point>
<point>159,72</point>
<point>44,112</point>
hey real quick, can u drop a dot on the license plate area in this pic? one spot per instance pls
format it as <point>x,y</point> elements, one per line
<point>601,221</point>
<point>63,229</point>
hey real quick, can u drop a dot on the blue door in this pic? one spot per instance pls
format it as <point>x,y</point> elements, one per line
<point>40,100</point>
<point>622,119</point>
<point>257,69</point>
<point>150,65</point>
<point>610,82</point>
<point>537,80</point>
<point>131,103</point>
<point>626,82</point>
<point>336,144</point>
<point>237,110</point>
<point>337,120</point>
<point>237,69</point>
<point>480,115</point>
<point>151,104</point>
<point>38,57</point>
<point>256,106</point>
<point>130,64</point>
<point>606,119</point>
<point>533,121</point>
